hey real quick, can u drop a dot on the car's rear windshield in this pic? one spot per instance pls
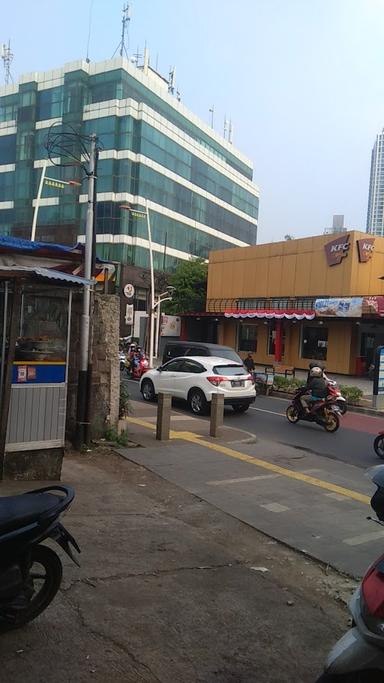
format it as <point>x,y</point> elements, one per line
<point>229,370</point>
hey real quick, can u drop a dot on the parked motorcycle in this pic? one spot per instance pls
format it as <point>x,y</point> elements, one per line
<point>334,392</point>
<point>325,413</point>
<point>31,573</point>
<point>378,445</point>
<point>358,657</point>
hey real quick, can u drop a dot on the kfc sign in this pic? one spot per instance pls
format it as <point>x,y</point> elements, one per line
<point>365,249</point>
<point>336,250</point>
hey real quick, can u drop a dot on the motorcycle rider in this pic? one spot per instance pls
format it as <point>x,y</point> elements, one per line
<point>315,389</point>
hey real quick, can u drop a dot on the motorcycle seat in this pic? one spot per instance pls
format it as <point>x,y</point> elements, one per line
<point>24,509</point>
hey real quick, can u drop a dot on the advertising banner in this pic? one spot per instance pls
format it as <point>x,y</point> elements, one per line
<point>341,307</point>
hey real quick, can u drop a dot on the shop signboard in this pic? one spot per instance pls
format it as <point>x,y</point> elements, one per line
<point>365,249</point>
<point>337,250</point>
<point>341,307</point>
<point>373,306</point>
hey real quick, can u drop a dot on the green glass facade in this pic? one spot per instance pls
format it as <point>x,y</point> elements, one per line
<point>199,190</point>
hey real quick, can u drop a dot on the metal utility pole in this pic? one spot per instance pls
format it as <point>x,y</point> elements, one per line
<point>85,364</point>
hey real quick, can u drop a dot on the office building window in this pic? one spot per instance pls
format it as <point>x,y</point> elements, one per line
<point>314,342</point>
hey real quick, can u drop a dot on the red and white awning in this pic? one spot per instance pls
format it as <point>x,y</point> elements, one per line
<point>272,314</point>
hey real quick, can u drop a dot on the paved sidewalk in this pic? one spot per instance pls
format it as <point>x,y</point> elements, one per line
<point>172,589</point>
<point>312,503</point>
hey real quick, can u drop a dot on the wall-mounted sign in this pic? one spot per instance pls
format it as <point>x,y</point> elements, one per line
<point>170,326</point>
<point>129,314</point>
<point>365,249</point>
<point>345,307</point>
<point>373,306</point>
<point>129,291</point>
<point>336,250</point>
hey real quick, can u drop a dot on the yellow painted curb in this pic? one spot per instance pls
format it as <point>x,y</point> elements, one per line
<point>283,471</point>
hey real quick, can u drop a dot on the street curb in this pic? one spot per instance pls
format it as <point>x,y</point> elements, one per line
<point>351,408</point>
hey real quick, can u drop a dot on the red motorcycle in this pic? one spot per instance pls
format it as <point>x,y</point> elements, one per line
<point>139,368</point>
<point>335,393</point>
<point>325,412</point>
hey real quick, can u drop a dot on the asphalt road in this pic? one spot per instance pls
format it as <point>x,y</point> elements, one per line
<point>353,443</point>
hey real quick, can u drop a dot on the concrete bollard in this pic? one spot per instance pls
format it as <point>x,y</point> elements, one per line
<point>217,414</point>
<point>163,416</point>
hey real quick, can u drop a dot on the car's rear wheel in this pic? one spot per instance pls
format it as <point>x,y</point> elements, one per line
<point>148,390</point>
<point>197,402</point>
<point>240,407</point>
<point>378,445</point>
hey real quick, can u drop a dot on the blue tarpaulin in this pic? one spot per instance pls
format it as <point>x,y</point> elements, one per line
<point>18,244</point>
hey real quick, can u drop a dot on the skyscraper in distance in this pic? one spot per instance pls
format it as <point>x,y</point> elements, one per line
<point>375,215</point>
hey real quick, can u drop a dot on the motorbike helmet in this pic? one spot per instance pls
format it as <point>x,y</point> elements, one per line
<point>316,372</point>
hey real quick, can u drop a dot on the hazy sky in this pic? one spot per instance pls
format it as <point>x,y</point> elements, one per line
<point>301,79</point>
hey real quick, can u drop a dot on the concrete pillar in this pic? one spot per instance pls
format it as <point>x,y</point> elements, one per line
<point>217,414</point>
<point>278,340</point>
<point>164,404</point>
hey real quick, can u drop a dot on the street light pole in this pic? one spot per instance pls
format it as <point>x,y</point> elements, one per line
<point>152,316</point>
<point>83,386</point>
<point>166,296</point>
<point>38,198</point>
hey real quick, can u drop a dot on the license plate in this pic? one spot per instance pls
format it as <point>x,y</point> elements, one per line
<point>238,383</point>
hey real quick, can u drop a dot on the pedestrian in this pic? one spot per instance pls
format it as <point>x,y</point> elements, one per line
<point>249,363</point>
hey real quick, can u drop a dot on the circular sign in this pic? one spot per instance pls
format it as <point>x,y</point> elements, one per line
<point>129,291</point>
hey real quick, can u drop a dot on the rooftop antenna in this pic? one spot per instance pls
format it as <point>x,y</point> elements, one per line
<point>225,126</point>
<point>7,56</point>
<point>230,131</point>
<point>171,79</point>
<point>89,30</point>
<point>124,30</point>
<point>212,111</point>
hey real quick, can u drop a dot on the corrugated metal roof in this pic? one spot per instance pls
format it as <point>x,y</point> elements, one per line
<point>7,272</point>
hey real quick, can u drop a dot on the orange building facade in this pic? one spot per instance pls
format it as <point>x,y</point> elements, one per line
<point>317,298</point>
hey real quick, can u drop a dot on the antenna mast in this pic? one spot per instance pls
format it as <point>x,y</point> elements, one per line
<point>7,56</point>
<point>124,30</point>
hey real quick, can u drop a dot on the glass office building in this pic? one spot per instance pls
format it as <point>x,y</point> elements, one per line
<point>375,215</point>
<point>154,151</point>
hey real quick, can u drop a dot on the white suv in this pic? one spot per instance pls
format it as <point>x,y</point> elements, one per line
<point>196,378</point>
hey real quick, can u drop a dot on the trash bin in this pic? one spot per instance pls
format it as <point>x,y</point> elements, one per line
<point>361,366</point>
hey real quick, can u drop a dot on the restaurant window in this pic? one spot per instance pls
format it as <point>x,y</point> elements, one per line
<point>248,338</point>
<point>272,338</point>
<point>314,342</point>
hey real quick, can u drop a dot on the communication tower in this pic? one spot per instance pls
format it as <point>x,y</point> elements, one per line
<point>7,57</point>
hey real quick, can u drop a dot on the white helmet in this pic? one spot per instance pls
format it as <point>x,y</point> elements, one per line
<point>316,372</point>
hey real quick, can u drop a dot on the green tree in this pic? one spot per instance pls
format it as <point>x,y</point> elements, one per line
<point>190,283</point>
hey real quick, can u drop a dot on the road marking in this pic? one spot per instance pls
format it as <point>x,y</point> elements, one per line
<point>275,507</point>
<point>223,482</point>
<point>335,496</point>
<point>263,410</point>
<point>364,538</point>
<point>191,437</point>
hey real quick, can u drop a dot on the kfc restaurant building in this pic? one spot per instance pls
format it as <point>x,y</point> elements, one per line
<point>300,300</point>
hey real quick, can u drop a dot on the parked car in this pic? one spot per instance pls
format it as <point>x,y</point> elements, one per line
<point>195,379</point>
<point>191,348</point>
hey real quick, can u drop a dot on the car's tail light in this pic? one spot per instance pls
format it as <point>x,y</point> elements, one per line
<point>372,598</point>
<point>373,590</point>
<point>217,379</point>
